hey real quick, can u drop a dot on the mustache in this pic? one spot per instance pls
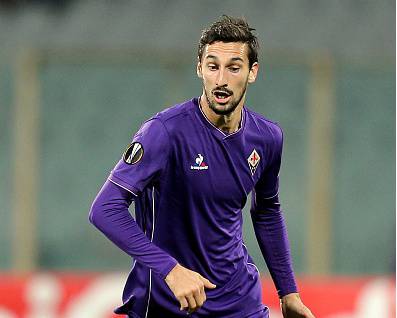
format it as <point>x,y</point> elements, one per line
<point>222,89</point>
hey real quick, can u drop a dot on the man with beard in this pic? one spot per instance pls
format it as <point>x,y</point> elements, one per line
<point>189,170</point>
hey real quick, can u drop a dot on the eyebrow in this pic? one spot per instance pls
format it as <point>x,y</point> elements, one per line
<point>233,58</point>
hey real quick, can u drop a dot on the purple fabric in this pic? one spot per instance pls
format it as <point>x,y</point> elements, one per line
<point>136,177</point>
<point>269,224</point>
<point>191,185</point>
<point>109,213</point>
<point>270,230</point>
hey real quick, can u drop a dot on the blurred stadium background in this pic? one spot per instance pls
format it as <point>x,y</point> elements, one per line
<point>77,79</point>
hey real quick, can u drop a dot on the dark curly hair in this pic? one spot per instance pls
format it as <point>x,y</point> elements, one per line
<point>229,29</point>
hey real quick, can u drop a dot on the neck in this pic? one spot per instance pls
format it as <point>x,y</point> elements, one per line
<point>229,123</point>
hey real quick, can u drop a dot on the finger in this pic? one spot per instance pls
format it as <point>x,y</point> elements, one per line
<point>207,283</point>
<point>199,297</point>
<point>192,302</point>
<point>184,304</point>
<point>190,311</point>
<point>306,313</point>
<point>203,295</point>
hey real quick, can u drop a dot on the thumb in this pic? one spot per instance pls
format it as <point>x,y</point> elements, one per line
<point>207,283</point>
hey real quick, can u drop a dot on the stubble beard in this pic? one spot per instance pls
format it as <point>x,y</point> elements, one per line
<point>227,109</point>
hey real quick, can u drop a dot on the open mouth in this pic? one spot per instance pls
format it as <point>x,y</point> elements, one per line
<point>222,97</point>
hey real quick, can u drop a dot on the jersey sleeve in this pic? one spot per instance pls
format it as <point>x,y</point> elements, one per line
<point>144,159</point>
<point>109,213</point>
<point>267,188</point>
<point>269,223</point>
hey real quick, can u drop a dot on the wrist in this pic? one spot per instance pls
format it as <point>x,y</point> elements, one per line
<point>168,267</point>
<point>289,297</point>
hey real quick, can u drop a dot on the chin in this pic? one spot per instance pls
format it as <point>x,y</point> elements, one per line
<point>222,109</point>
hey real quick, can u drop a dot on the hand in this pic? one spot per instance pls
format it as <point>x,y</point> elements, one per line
<point>188,287</point>
<point>292,307</point>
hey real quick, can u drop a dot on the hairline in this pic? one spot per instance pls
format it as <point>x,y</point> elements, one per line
<point>236,30</point>
<point>233,58</point>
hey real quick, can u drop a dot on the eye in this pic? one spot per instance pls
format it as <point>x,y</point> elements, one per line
<point>212,67</point>
<point>234,69</point>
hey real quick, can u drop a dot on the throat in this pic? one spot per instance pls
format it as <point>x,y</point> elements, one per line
<point>228,124</point>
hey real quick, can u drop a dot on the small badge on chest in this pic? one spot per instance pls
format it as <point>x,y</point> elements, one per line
<point>253,161</point>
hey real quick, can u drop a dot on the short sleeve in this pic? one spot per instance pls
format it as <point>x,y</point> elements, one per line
<point>144,159</point>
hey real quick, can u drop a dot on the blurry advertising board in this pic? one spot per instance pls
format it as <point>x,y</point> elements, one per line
<point>60,295</point>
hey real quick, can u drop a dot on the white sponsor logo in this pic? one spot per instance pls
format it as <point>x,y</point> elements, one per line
<point>200,164</point>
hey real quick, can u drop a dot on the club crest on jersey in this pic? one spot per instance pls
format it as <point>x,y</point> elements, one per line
<point>199,163</point>
<point>133,153</point>
<point>253,161</point>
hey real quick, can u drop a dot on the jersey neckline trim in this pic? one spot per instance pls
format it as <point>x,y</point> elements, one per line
<point>209,124</point>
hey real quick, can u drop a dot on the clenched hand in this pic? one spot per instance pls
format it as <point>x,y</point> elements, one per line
<point>188,287</point>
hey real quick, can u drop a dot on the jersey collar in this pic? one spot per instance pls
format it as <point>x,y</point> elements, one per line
<point>218,132</point>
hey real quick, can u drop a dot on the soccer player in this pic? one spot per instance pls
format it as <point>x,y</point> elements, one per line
<point>189,170</point>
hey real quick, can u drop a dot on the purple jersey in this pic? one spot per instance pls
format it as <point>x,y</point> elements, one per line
<point>190,182</point>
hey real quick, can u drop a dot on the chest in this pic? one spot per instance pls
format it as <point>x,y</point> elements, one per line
<point>221,170</point>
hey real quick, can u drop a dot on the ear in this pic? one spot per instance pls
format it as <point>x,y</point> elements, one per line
<point>253,72</point>
<point>198,69</point>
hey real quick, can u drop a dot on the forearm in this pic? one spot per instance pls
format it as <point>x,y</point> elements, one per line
<point>109,213</point>
<point>271,233</point>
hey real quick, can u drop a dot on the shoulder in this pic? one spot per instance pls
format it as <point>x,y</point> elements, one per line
<point>266,127</point>
<point>165,120</point>
<point>175,113</point>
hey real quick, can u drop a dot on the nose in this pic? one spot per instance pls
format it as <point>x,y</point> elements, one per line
<point>221,79</point>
